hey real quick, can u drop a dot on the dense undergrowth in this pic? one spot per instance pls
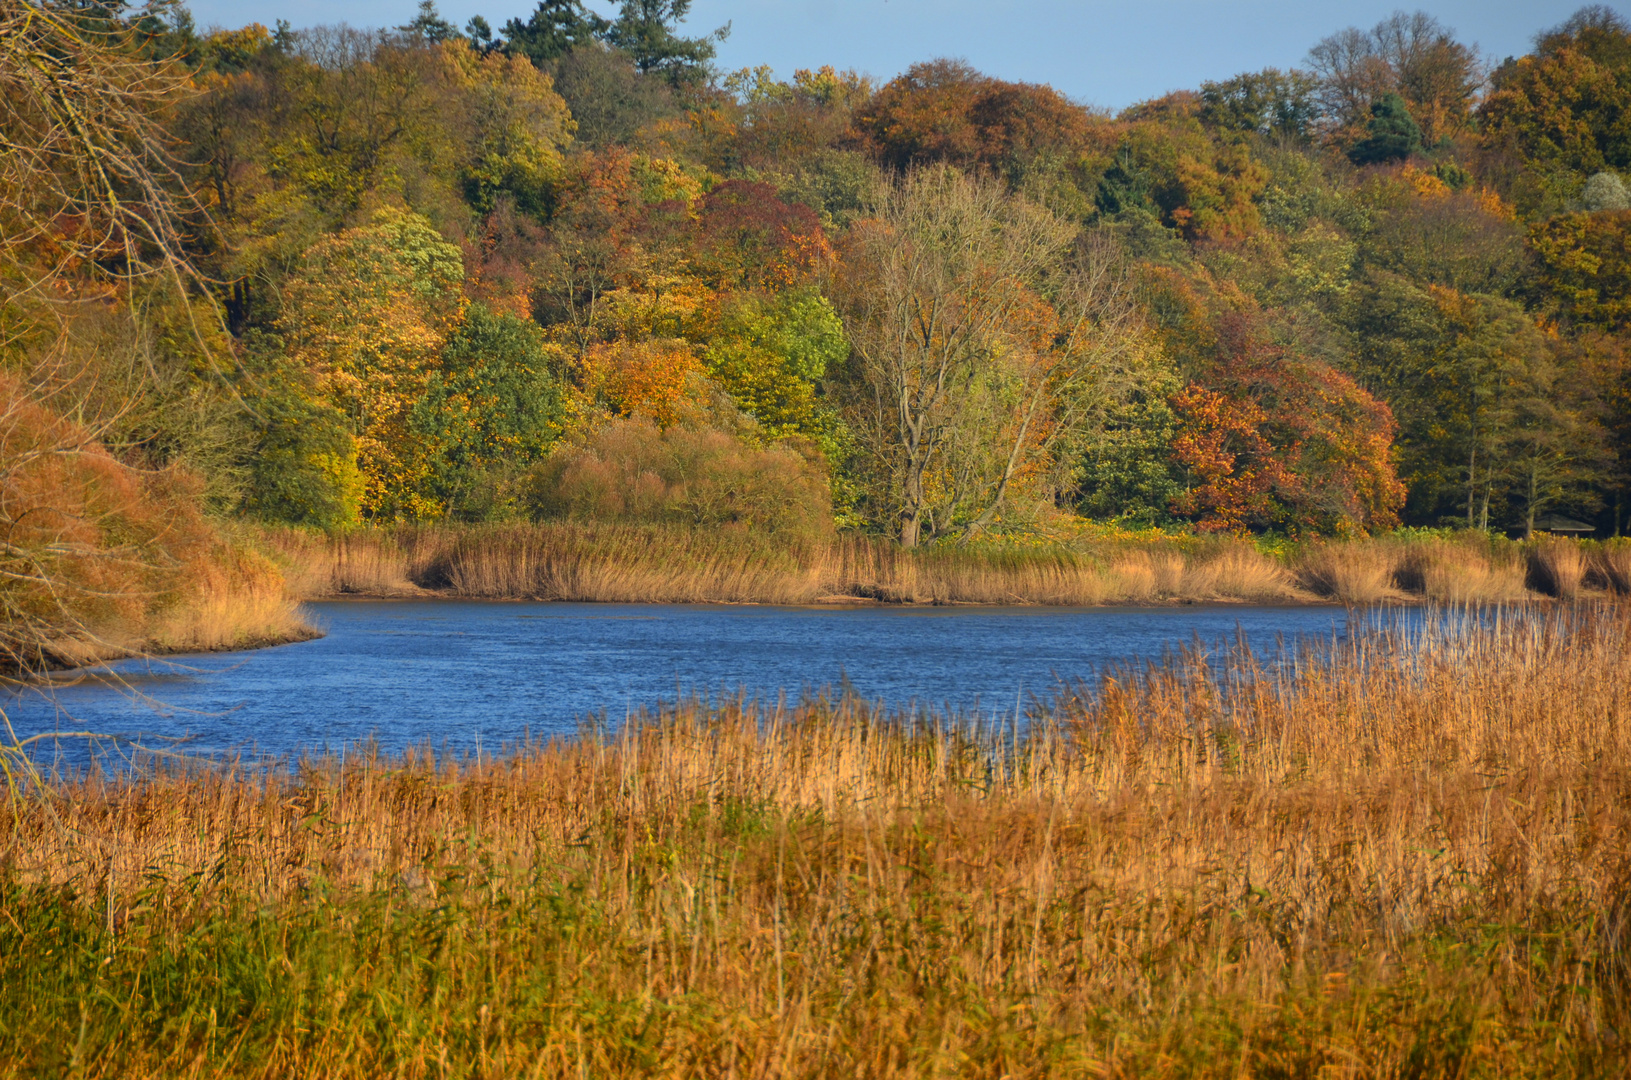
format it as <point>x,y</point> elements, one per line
<point>1402,856</point>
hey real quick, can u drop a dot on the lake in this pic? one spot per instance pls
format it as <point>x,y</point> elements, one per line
<point>463,674</point>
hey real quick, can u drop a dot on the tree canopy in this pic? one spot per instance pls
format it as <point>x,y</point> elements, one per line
<point>433,272</point>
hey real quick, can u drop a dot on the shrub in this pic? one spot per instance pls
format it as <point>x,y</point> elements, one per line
<point>102,559</point>
<point>1557,568</point>
<point>631,471</point>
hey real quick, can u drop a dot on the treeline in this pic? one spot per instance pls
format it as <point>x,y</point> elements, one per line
<point>566,268</point>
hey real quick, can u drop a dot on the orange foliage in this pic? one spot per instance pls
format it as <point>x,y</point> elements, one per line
<point>1276,440</point>
<point>1223,444</point>
<point>93,547</point>
<point>944,110</point>
<point>642,378</point>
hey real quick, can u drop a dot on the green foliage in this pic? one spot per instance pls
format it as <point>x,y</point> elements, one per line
<point>492,408</point>
<point>645,30</point>
<point>429,26</point>
<point>1268,102</point>
<point>840,185</point>
<point>610,100</point>
<point>1458,239</point>
<point>1392,134</point>
<point>304,463</point>
<point>1493,421</point>
<point>1125,473</point>
<point>554,29</point>
<point>770,357</point>
<point>1124,188</point>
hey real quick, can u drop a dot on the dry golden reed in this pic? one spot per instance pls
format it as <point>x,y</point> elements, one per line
<point>1557,567</point>
<point>1611,566</point>
<point>589,561</point>
<point>1404,853</point>
<point>607,562</point>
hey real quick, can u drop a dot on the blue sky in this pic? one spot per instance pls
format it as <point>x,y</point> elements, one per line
<point>1102,53</point>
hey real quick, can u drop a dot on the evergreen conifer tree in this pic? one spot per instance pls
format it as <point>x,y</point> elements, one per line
<point>1394,133</point>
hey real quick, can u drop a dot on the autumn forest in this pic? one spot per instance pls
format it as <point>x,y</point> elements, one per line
<point>747,369</point>
<point>564,267</point>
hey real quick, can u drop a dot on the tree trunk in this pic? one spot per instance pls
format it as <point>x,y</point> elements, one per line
<point>1472,477</point>
<point>1529,511</point>
<point>911,515</point>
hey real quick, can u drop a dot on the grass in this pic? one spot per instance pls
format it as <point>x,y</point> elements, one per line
<point>234,598</point>
<point>635,563</point>
<point>1406,855</point>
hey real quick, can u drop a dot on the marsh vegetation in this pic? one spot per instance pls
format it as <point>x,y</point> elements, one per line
<point>643,562</point>
<point>1406,855</point>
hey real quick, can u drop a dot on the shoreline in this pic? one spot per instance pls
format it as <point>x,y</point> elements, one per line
<point>588,562</point>
<point>1167,603</point>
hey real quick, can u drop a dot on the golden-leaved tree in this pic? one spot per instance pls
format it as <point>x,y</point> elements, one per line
<point>367,316</point>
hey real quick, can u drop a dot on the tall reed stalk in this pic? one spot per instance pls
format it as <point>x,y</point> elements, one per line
<point>596,562</point>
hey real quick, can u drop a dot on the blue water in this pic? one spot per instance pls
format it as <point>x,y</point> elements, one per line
<point>457,674</point>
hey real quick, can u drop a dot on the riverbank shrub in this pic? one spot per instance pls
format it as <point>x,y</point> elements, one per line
<point>101,559</point>
<point>633,471</point>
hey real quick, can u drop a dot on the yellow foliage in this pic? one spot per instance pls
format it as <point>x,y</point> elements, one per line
<point>368,316</point>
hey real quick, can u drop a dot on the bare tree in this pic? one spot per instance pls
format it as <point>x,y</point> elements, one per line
<point>1066,381</point>
<point>1412,55</point>
<point>980,347</point>
<point>88,184</point>
<point>92,204</point>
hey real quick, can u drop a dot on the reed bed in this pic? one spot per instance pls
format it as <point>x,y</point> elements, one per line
<point>629,563</point>
<point>236,599</point>
<point>587,561</point>
<point>1610,566</point>
<point>1403,854</point>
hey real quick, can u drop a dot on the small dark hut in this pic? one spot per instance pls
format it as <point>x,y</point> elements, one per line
<point>1559,525</point>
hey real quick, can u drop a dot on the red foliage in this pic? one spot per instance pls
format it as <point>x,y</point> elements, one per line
<point>747,237</point>
<point>1274,439</point>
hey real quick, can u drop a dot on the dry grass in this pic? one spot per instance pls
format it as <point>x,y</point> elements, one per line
<point>1467,571</point>
<point>1351,573</point>
<point>589,561</point>
<point>628,563</point>
<point>1406,857</point>
<point>586,561</point>
<point>1557,567</point>
<point>238,601</point>
<point>1610,566</point>
<point>235,598</point>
